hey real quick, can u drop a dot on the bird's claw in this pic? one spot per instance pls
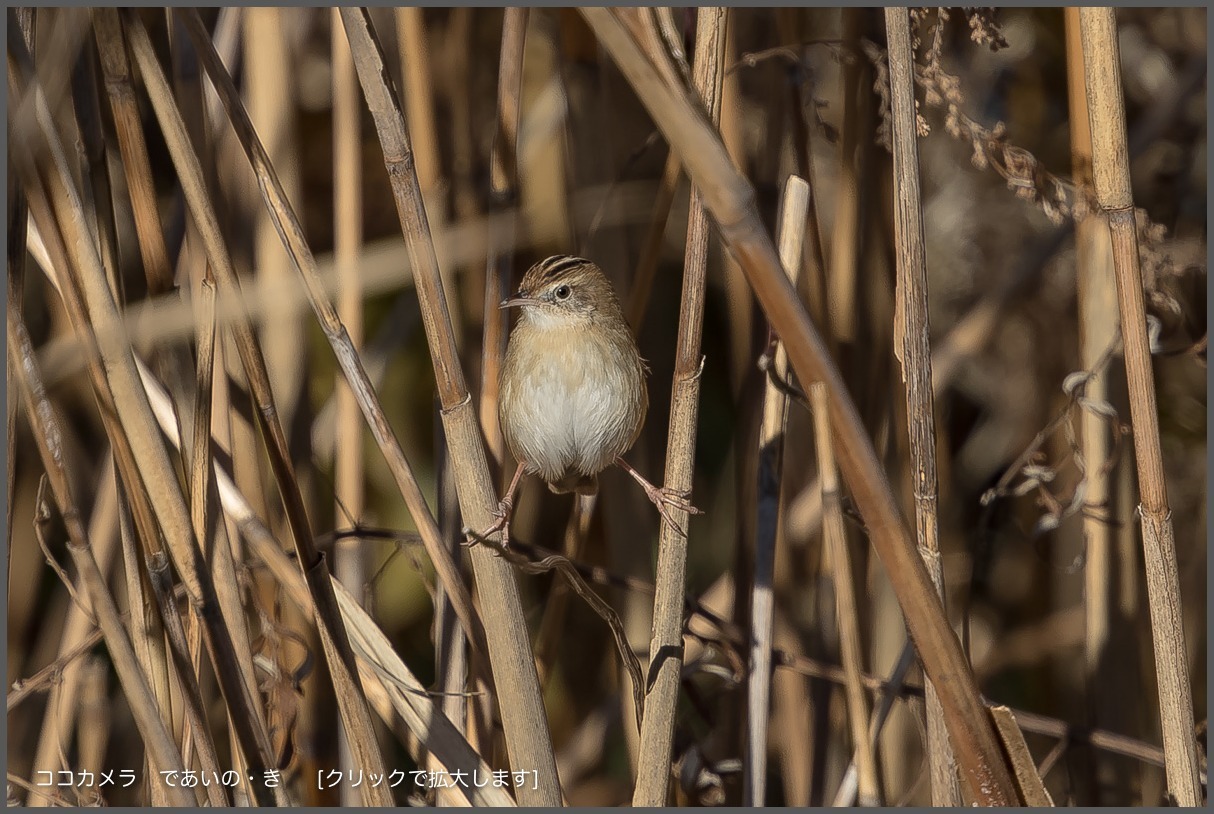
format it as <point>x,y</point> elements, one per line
<point>664,499</point>
<point>501,522</point>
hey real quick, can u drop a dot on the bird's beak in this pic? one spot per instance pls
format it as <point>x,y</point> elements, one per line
<point>514,302</point>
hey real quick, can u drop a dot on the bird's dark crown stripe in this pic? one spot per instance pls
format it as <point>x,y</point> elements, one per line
<point>556,265</point>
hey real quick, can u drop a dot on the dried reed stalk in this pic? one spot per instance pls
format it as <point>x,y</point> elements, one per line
<point>794,211</point>
<point>348,559</point>
<point>1028,780</point>
<point>204,502</point>
<point>666,645</point>
<point>133,148</point>
<point>1111,173</point>
<point>351,700</point>
<point>97,202</point>
<point>419,95</point>
<point>269,97</point>
<point>376,657</point>
<point>1097,306</point>
<point>845,243</point>
<point>914,352</point>
<point>838,557</point>
<point>503,194</point>
<point>523,718</point>
<point>156,738</point>
<point>305,262</point>
<point>95,722</point>
<point>137,441</point>
<point>64,696</point>
<point>152,628</point>
<point>730,199</point>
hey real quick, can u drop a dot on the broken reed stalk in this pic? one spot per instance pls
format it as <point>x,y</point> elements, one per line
<point>156,738</point>
<point>503,195</point>
<point>730,199</point>
<point>666,644</point>
<point>411,701</point>
<point>913,349</point>
<point>348,558</point>
<point>203,498</point>
<point>1097,313</point>
<point>838,558</point>
<point>1111,172</point>
<point>524,721</point>
<point>137,441</point>
<point>794,211</point>
<point>351,700</point>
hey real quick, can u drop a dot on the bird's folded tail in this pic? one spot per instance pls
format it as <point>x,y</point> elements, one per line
<point>575,482</point>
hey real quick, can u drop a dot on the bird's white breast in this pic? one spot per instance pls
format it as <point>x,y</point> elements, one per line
<point>571,403</point>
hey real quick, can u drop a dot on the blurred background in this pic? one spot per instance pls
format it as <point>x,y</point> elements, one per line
<point>1041,549</point>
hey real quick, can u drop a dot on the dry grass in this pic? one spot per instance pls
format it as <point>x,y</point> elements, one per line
<point>228,261</point>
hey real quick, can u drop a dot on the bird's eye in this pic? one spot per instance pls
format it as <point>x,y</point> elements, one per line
<point>562,292</point>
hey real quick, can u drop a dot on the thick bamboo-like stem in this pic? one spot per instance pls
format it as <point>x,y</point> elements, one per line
<point>834,540</point>
<point>523,718</point>
<point>148,460</point>
<point>1111,172</point>
<point>794,211</point>
<point>913,349</point>
<point>157,740</point>
<point>1097,301</point>
<point>666,644</point>
<point>348,558</point>
<point>730,199</point>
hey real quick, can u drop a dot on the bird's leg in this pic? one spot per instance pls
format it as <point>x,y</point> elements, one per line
<point>661,497</point>
<point>501,514</point>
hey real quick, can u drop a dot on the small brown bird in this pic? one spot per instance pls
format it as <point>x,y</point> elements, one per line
<point>573,395</point>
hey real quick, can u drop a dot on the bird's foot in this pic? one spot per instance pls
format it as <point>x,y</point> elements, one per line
<point>501,523</point>
<point>666,499</point>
